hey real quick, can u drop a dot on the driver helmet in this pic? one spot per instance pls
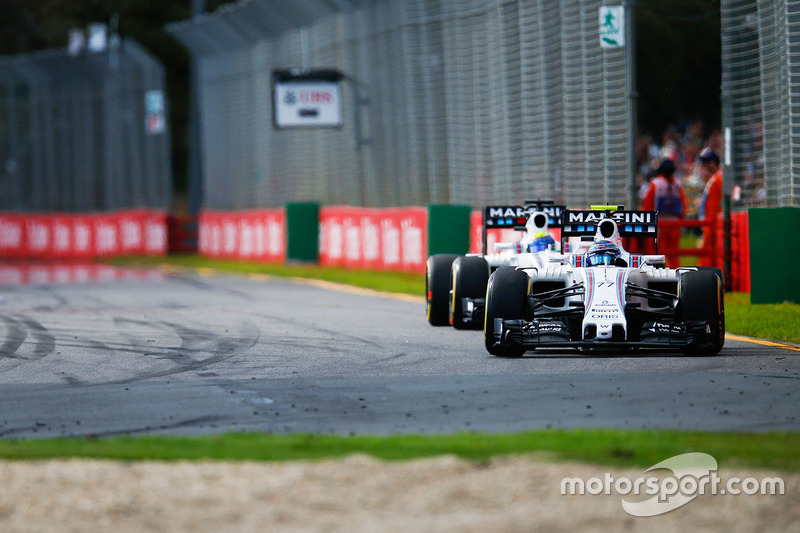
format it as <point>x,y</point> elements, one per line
<point>602,253</point>
<point>541,242</point>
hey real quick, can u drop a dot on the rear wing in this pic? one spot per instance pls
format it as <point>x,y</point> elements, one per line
<point>629,223</point>
<point>515,216</point>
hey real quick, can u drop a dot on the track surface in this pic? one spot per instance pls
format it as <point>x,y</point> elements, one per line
<point>183,354</point>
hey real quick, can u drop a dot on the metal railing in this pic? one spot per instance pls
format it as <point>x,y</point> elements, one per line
<point>761,100</point>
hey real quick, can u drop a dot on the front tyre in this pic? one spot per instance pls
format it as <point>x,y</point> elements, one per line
<point>469,278</point>
<point>507,299</point>
<point>437,288</point>
<point>701,297</point>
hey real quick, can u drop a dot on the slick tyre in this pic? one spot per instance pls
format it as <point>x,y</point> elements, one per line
<point>437,288</point>
<point>702,298</point>
<point>469,278</point>
<point>506,298</point>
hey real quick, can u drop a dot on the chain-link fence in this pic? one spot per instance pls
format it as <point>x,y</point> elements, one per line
<point>445,101</point>
<point>761,100</point>
<point>85,132</point>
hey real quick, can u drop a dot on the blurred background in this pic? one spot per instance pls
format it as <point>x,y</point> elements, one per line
<point>463,102</point>
<point>119,104</point>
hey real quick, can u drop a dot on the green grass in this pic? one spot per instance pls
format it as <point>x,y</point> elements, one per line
<point>777,322</point>
<point>641,448</point>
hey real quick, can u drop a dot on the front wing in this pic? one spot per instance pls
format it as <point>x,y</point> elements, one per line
<point>553,333</point>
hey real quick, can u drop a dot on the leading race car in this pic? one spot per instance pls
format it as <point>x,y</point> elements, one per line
<point>455,286</point>
<point>605,298</point>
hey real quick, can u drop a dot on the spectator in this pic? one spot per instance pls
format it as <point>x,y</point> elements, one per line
<point>711,203</point>
<point>666,196</point>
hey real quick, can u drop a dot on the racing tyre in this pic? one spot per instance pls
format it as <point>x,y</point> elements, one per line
<point>437,288</point>
<point>506,298</point>
<point>702,298</point>
<point>469,278</point>
<point>716,270</point>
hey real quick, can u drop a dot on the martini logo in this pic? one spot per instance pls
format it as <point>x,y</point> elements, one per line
<point>620,217</point>
<point>495,212</point>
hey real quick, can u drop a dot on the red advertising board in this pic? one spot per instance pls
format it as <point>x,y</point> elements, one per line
<point>71,236</point>
<point>374,238</point>
<point>258,235</point>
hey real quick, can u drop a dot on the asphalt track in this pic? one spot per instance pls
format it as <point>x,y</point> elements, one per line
<point>185,354</point>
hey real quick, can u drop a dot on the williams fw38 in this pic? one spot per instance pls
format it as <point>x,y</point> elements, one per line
<point>606,298</point>
<point>455,286</point>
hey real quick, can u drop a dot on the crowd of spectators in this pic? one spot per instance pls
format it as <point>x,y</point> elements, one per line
<point>682,146</point>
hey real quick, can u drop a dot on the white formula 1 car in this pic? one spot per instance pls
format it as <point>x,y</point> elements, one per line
<point>605,298</point>
<point>455,286</point>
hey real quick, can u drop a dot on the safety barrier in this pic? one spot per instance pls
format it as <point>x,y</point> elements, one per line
<point>258,235</point>
<point>374,238</point>
<point>82,236</point>
<point>713,252</point>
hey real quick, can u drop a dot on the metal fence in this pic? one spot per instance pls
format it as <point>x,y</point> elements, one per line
<point>84,133</point>
<point>447,101</point>
<point>761,100</point>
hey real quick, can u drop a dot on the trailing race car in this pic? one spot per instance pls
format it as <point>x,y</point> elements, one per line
<point>605,298</point>
<point>455,286</point>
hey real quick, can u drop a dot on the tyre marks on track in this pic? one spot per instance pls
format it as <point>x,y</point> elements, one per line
<point>199,348</point>
<point>24,340</point>
<point>14,350</point>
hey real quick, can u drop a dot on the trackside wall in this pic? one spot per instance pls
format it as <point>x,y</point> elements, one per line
<point>82,236</point>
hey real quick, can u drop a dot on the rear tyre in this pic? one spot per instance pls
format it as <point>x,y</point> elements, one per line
<point>701,297</point>
<point>469,279</point>
<point>506,298</point>
<point>437,288</point>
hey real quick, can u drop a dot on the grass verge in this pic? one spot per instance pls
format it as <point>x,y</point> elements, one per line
<point>634,448</point>
<point>777,322</point>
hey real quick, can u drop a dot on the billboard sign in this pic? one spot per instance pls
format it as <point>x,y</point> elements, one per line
<point>307,98</point>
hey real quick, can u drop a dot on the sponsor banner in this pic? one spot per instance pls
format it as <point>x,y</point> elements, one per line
<point>39,236</point>
<point>12,235</point>
<point>154,233</point>
<point>68,236</point>
<point>258,235</point>
<point>82,236</point>
<point>374,238</point>
<point>414,246</point>
<point>107,242</point>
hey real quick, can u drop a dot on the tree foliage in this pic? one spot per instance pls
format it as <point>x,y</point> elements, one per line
<point>678,63</point>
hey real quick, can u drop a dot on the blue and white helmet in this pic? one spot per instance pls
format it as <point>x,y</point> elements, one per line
<point>602,253</point>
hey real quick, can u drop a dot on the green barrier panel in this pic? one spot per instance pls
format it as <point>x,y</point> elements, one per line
<point>302,231</point>
<point>448,229</point>
<point>774,255</point>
